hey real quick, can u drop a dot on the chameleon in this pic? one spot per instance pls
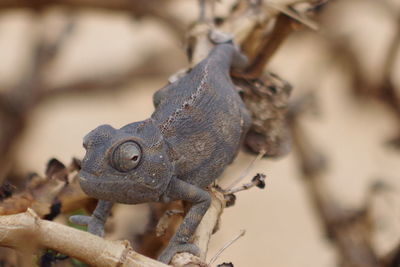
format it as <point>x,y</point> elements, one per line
<point>195,131</point>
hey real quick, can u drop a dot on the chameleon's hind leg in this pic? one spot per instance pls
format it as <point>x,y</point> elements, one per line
<point>201,200</point>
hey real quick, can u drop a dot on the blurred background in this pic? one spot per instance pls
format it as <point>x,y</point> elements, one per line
<point>67,68</point>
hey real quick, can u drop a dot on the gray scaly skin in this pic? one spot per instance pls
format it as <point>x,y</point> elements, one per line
<point>195,131</point>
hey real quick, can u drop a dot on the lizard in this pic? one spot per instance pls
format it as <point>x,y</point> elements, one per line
<point>195,131</point>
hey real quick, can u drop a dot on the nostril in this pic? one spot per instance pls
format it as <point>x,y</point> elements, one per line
<point>85,143</point>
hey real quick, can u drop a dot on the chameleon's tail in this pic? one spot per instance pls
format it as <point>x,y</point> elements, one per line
<point>239,60</point>
<point>227,55</point>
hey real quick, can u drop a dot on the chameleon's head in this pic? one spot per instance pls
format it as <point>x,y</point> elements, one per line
<point>128,165</point>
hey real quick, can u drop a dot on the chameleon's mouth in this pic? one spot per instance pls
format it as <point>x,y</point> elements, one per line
<point>118,189</point>
<point>87,177</point>
<point>96,186</point>
<point>93,180</point>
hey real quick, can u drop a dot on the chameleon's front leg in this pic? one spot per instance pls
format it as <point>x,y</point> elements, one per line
<point>201,200</point>
<point>95,223</point>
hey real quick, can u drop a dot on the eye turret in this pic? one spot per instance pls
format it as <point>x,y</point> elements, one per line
<point>126,156</point>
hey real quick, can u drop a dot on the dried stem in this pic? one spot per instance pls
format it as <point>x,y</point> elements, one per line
<point>258,180</point>
<point>91,249</point>
<point>246,171</point>
<point>213,259</point>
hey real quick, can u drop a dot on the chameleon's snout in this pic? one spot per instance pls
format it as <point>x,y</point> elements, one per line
<point>105,188</point>
<point>95,186</point>
<point>86,181</point>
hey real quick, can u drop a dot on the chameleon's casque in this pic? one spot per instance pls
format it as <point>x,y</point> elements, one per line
<point>195,131</point>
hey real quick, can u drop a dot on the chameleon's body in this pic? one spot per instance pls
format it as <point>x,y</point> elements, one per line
<point>194,133</point>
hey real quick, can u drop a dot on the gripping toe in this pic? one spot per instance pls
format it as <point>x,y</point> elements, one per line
<point>172,249</point>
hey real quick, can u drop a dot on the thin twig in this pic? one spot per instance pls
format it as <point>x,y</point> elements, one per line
<point>258,180</point>
<point>219,252</point>
<point>247,170</point>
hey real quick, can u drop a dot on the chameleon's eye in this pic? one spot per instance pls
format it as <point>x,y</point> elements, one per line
<point>126,156</point>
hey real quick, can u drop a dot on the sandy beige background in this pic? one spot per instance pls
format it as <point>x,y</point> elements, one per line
<point>281,228</point>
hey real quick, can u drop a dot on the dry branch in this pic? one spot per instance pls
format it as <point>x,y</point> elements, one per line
<point>59,187</point>
<point>94,250</point>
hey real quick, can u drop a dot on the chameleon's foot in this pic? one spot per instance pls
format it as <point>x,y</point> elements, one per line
<point>95,226</point>
<point>220,37</point>
<point>174,248</point>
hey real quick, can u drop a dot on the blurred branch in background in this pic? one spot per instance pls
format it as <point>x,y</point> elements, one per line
<point>138,8</point>
<point>385,89</point>
<point>349,231</point>
<point>18,102</point>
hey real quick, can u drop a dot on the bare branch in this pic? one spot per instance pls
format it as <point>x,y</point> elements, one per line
<point>91,249</point>
<point>208,225</point>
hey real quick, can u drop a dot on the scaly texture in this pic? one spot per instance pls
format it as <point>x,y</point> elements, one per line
<point>194,133</point>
